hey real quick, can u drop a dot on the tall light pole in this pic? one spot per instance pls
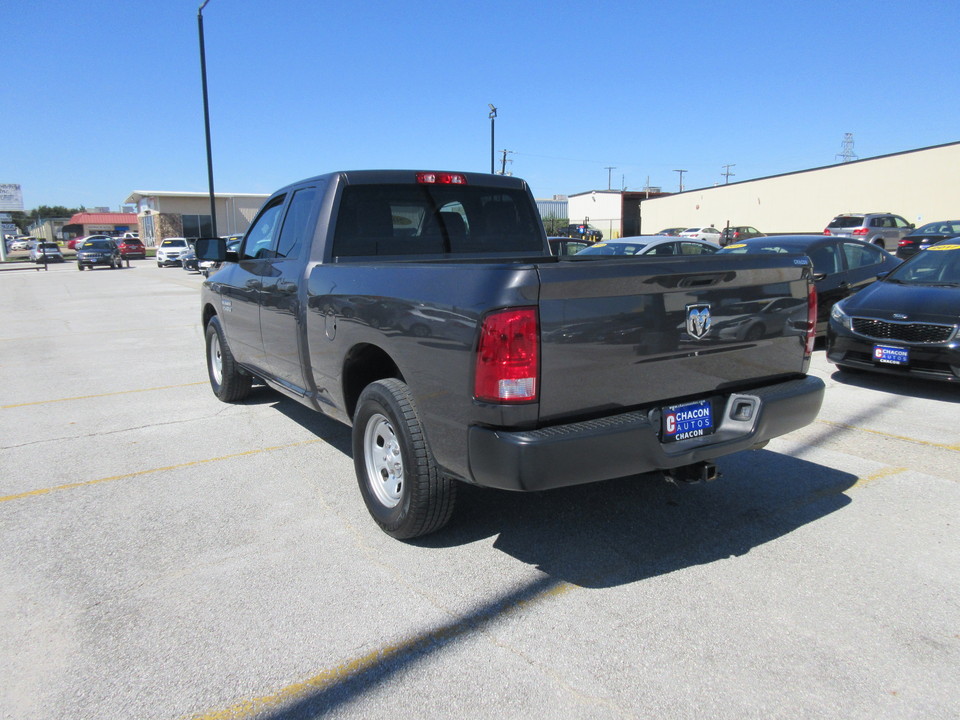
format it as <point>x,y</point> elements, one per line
<point>681,178</point>
<point>206,119</point>
<point>493,118</point>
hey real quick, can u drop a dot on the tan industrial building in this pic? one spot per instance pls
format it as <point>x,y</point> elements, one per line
<point>921,185</point>
<point>187,214</point>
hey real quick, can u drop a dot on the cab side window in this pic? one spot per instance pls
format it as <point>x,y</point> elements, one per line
<point>259,240</point>
<point>295,224</point>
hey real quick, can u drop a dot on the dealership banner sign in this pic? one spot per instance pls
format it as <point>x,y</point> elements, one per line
<point>11,197</point>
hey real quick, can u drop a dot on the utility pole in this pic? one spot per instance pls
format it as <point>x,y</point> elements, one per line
<point>609,170</point>
<point>503,163</point>
<point>493,120</point>
<point>726,173</point>
<point>681,178</point>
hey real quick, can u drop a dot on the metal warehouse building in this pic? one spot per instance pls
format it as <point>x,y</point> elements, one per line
<point>921,185</point>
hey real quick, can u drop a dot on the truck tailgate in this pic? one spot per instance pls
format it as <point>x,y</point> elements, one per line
<point>618,333</point>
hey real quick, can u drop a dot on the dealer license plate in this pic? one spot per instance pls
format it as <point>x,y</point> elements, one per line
<point>682,422</point>
<point>891,355</point>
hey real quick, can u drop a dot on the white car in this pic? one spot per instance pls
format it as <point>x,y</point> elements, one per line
<point>50,250</point>
<point>170,251</point>
<point>710,234</point>
<point>651,245</point>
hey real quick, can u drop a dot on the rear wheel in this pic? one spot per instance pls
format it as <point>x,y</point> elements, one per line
<point>401,486</point>
<point>228,382</point>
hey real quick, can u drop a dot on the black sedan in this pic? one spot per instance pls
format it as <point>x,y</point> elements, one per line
<point>99,251</point>
<point>906,324</point>
<point>841,266</point>
<point>925,236</point>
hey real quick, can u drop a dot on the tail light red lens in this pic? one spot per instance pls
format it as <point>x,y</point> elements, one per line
<point>826,231</point>
<point>904,243</point>
<point>861,231</point>
<point>508,357</point>
<point>811,318</point>
<point>440,178</point>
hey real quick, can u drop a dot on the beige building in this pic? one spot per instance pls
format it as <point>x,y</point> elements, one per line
<point>187,214</point>
<point>921,185</point>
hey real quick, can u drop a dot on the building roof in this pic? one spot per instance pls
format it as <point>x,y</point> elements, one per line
<point>85,218</point>
<point>137,195</point>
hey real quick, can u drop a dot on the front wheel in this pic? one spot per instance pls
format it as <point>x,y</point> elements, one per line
<point>80,267</point>
<point>401,486</point>
<point>228,382</point>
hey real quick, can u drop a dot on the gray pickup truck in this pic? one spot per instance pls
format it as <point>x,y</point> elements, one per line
<point>425,310</point>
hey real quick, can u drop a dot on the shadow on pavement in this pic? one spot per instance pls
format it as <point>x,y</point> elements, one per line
<point>593,536</point>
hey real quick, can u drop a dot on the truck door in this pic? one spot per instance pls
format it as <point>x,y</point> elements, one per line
<point>280,311</point>
<point>241,292</point>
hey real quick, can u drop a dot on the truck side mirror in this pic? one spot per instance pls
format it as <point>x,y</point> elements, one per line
<point>214,249</point>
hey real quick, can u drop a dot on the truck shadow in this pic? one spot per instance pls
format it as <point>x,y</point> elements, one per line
<point>621,531</point>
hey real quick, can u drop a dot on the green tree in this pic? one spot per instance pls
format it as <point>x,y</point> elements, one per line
<point>24,219</point>
<point>553,225</point>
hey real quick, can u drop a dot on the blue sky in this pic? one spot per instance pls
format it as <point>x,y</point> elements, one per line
<point>102,98</point>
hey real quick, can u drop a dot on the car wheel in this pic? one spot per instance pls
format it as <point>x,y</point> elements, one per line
<point>754,333</point>
<point>401,486</point>
<point>159,264</point>
<point>228,382</point>
<point>879,243</point>
<point>79,267</point>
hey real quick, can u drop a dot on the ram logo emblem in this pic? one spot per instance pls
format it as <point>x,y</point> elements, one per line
<point>698,320</point>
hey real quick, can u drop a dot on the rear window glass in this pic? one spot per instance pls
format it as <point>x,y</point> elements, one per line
<point>432,219</point>
<point>846,221</point>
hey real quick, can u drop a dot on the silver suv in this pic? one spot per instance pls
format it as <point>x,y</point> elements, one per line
<point>883,229</point>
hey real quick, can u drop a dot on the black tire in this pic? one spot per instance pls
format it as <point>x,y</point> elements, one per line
<point>79,267</point>
<point>228,382</point>
<point>401,486</point>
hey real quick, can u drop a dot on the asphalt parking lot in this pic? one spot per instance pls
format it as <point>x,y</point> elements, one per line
<point>165,555</point>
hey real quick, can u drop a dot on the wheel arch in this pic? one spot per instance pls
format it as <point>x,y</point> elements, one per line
<point>363,365</point>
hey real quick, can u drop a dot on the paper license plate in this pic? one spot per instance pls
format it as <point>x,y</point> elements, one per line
<point>891,355</point>
<point>682,422</point>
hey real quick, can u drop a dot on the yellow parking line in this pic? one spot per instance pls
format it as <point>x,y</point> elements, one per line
<point>110,394</point>
<point>887,472</point>
<point>889,435</point>
<point>384,656</point>
<point>180,466</point>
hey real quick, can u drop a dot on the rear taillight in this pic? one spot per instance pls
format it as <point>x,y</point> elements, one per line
<point>508,357</point>
<point>861,231</point>
<point>904,243</point>
<point>826,231</point>
<point>811,318</point>
<point>440,178</point>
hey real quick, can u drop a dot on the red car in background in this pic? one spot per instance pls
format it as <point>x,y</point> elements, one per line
<point>131,248</point>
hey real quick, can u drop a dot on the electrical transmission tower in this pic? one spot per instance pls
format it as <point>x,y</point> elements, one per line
<point>726,173</point>
<point>848,154</point>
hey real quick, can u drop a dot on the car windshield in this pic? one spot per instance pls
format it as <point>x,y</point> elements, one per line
<point>937,265</point>
<point>766,247</point>
<point>96,245</point>
<point>847,221</point>
<point>948,228</point>
<point>620,248</point>
<point>173,243</point>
